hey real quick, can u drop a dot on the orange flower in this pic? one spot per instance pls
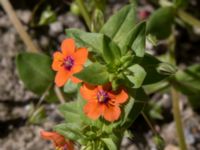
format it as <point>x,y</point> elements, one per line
<point>102,101</point>
<point>58,140</point>
<point>68,62</point>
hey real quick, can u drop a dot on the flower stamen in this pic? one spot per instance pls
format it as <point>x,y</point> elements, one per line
<point>68,62</point>
<point>102,96</point>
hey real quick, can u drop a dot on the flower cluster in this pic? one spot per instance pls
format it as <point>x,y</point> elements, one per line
<point>101,100</point>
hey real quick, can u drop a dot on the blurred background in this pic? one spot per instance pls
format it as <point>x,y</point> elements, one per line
<point>23,114</point>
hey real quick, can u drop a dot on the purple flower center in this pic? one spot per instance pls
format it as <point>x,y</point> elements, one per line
<point>65,147</point>
<point>102,96</point>
<point>68,62</point>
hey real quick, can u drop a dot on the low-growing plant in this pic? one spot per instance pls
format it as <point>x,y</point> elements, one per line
<point>106,71</point>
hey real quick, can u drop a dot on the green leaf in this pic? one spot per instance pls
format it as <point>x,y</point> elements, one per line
<point>160,22</point>
<point>135,40</point>
<point>180,3</point>
<point>95,74</point>
<point>189,80</point>
<point>109,143</point>
<point>35,71</point>
<point>119,25</point>
<point>71,112</point>
<point>150,64</point>
<point>134,106</point>
<point>48,16</point>
<point>70,87</point>
<point>37,116</point>
<point>71,131</point>
<point>94,41</point>
<point>158,86</point>
<point>111,51</point>
<point>137,75</point>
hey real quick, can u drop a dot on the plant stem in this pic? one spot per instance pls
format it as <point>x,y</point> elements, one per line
<point>84,12</point>
<point>149,123</point>
<point>18,26</point>
<point>175,97</point>
<point>189,18</point>
<point>177,117</point>
<point>59,95</point>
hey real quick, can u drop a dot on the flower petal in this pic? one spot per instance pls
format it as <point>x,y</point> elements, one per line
<point>120,97</point>
<point>76,68</point>
<point>70,145</point>
<point>80,56</point>
<point>89,92</point>
<point>57,61</point>
<point>112,113</point>
<point>57,139</point>
<point>68,46</point>
<point>62,76</point>
<point>93,110</point>
<point>75,80</point>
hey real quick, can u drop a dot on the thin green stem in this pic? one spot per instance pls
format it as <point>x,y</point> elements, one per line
<point>148,122</point>
<point>177,117</point>
<point>189,18</point>
<point>84,13</point>
<point>59,95</point>
<point>175,97</point>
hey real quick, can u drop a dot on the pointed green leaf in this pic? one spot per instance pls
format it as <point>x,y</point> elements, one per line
<point>94,41</point>
<point>137,75</point>
<point>119,25</point>
<point>35,71</point>
<point>150,64</point>
<point>189,80</point>
<point>109,143</point>
<point>71,131</point>
<point>95,74</point>
<point>180,3</point>
<point>135,40</point>
<point>139,97</point>
<point>111,51</point>
<point>160,22</point>
<point>70,111</point>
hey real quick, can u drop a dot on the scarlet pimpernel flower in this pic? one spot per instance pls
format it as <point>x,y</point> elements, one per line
<point>102,101</point>
<point>68,62</point>
<point>59,141</point>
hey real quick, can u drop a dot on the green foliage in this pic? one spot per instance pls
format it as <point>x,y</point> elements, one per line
<point>159,141</point>
<point>98,20</point>
<point>160,22</point>
<point>70,87</point>
<point>150,65</point>
<point>94,74</point>
<point>111,51</point>
<point>188,82</point>
<point>109,143</point>
<point>37,115</point>
<point>35,71</point>
<point>120,24</point>
<point>117,56</point>
<point>134,106</point>
<point>48,16</point>
<point>94,41</point>
<point>135,40</point>
<point>136,75</point>
<point>180,3</point>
